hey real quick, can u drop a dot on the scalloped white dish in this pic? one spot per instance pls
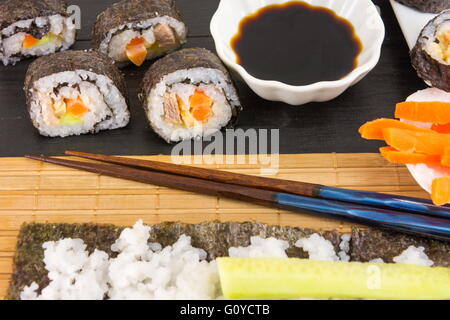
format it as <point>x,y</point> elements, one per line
<point>411,21</point>
<point>362,14</point>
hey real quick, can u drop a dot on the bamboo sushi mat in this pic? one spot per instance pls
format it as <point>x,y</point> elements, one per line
<point>31,191</point>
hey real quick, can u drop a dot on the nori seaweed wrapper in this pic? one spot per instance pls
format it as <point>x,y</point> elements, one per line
<point>92,61</point>
<point>435,73</point>
<point>374,244</point>
<point>12,11</point>
<point>214,237</point>
<point>131,11</point>
<point>183,59</point>
<point>431,6</point>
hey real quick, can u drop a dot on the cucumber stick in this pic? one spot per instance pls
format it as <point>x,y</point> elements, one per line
<point>243,278</point>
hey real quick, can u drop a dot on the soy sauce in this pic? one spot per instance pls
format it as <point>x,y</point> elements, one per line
<point>297,44</point>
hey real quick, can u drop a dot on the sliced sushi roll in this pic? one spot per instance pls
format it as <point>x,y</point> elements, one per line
<point>32,28</point>
<point>431,6</point>
<point>138,30</point>
<point>76,92</point>
<point>189,94</point>
<point>431,55</point>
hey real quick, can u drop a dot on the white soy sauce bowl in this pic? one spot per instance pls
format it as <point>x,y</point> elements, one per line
<point>362,14</point>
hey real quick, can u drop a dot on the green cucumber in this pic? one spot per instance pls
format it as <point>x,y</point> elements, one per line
<point>243,278</point>
<point>49,37</point>
<point>70,120</point>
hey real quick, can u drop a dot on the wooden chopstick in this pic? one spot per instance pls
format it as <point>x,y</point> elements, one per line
<point>278,185</point>
<point>392,220</point>
<point>284,186</point>
<point>168,180</point>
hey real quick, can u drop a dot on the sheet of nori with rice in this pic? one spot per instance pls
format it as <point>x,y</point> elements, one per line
<point>189,94</point>
<point>431,6</point>
<point>139,30</point>
<point>32,28</point>
<point>76,92</point>
<point>214,237</point>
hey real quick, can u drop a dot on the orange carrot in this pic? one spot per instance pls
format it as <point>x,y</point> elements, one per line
<point>441,191</point>
<point>430,112</point>
<point>76,107</point>
<point>395,156</point>
<point>136,51</point>
<point>29,41</point>
<point>441,128</point>
<point>415,141</point>
<point>445,160</point>
<point>201,105</point>
<point>374,130</point>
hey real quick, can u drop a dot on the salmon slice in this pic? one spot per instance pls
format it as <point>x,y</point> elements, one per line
<point>441,191</point>
<point>430,112</point>
<point>136,51</point>
<point>201,106</point>
<point>395,156</point>
<point>416,141</point>
<point>373,130</point>
<point>76,107</point>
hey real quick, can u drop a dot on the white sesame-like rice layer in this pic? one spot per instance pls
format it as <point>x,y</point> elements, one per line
<point>213,82</point>
<point>108,107</point>
<point>11,42</point>
<point>109,47</point>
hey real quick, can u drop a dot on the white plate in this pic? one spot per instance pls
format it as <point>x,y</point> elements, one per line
<point>411,21</point>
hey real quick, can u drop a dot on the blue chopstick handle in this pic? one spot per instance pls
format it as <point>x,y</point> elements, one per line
<point>381,200</point>
<point>399,221</point>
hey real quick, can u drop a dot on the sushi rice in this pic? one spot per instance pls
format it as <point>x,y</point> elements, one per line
<point>148,271</point>
<point>74,93</point>
<point>210,81</point>
<point>97,92</point>
<point>61,36</point>
<point>116,41</point>
<point>132,31</point>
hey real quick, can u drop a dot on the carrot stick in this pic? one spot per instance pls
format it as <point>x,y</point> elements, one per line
<point>374,130</point>
<point>414,141</point>
<point>29,41</point>
<point>76,107</point>
<point>441,191</point>
<point>441,128</point>
<point>137,51</point>
<point>445,160</point>
<point>395,156</point>
<point>430,112</point>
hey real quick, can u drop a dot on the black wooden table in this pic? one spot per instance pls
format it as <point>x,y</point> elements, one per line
<point>313,128</point>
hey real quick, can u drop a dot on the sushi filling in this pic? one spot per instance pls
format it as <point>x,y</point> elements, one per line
<point>187,106</point>
<point>439,49</point>
<point>74,103</point>
<point>138,46</point>
<point>36,37</point>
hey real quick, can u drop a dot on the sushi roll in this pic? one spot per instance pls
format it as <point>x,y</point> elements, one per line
<point>32,28</point>
<point>138,30</point>
<point>431,55</point>
<point>431,6</point>
<point>189,94</point>
<point>76,92</point>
